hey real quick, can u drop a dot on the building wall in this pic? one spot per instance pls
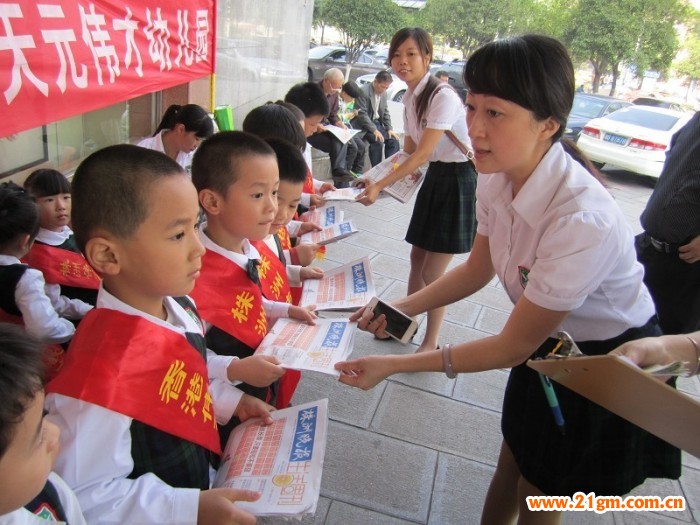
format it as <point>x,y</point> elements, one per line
<point>262,50</point>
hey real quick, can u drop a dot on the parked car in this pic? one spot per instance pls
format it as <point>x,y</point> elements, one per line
<point>395,92</point>
<point>589,106</point>
<point>455,70</point>
<point>634,138</point>
<point>659,103</point>
<point>322,58</point>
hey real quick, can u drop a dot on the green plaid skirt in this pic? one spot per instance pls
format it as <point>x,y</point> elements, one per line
<point>600,452</point>
<point>444,216</point>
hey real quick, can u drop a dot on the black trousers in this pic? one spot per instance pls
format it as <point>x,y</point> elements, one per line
<point>674,285</point>
<point>390,145</point>
<point>337,151</point>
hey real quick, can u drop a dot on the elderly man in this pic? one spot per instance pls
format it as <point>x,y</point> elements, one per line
<point>324,140</point>
<point>374,119</point>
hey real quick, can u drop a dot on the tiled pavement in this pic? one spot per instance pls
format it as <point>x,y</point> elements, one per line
<point>421,449</point>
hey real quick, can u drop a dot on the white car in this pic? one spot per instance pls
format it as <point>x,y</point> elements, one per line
<point>634,138</point>
<point>395,92</point>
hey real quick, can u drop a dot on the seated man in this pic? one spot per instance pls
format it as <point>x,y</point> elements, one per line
<point>374,119</point>
<point>324,140</point>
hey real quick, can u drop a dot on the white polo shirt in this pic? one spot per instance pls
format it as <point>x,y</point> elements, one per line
<point>184,159</point>
<point>445,111</point>
<point>565,244</point>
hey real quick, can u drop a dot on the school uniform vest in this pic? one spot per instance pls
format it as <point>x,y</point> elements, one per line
<point>9,277</point>
<point>65,265</point>
<point>173,430</point>
<point>47,505</point>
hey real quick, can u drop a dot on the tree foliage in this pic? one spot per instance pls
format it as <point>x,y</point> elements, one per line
<point>467,24</point>
<point>638,33</point>
<point>363,23</point>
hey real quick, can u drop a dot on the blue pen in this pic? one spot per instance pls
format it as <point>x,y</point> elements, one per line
<point>553,402</point>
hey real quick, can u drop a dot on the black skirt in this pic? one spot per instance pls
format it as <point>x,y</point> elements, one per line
<point>444,216</point>
<point>600,452</point>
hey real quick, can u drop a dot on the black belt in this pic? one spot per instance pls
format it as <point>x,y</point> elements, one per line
<point>661,246</point>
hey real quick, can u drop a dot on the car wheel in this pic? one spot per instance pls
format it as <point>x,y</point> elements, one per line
<point>399,96</point>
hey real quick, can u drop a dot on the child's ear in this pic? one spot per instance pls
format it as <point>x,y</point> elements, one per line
<point>24,243</point>
<point>103,255</point>
<point>211,201</point>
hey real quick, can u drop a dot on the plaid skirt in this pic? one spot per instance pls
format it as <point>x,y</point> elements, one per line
<point>600,452</point>
<point>444,216</point>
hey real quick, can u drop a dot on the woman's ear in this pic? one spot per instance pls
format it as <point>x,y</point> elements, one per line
<point>103,255</point>
<point>211,201</point>
<point>549,127</point>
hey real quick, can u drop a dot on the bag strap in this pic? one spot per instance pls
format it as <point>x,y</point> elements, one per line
<point>460,145</point>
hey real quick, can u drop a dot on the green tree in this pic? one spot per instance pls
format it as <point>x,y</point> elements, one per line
<point>689,66</point>
<point>363,23</point>
<point>467,24</point>
<point>319,16</point>
<point>638,33</point>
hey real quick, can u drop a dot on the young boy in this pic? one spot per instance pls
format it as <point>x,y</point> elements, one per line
<point>29,491</point>
<point>237,178</point>
<point>134,402</point>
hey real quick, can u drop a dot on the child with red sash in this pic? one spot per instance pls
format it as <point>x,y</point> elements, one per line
<point>70,281</point>
<point>280,280</point>
<point>140,395</point>
<point>23,298</point>
<point>29,492</point>
<point>237,177</point>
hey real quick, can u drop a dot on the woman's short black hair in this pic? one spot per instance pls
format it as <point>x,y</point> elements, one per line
<point>193,117</point>
<point>46,182</point>
<point>533,71</point>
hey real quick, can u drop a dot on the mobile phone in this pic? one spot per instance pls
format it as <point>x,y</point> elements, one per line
<point>398,325</point>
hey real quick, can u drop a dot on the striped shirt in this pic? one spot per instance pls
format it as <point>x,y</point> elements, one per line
<point>673,212</point>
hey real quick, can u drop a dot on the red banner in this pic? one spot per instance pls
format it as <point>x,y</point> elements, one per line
<point>60,58</point>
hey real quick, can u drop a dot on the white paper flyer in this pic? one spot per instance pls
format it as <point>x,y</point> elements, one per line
<point>347,287</point>
<point>342,194</point>
<point>342,134</point>
<point>283,461</point>
<point>403,189</point>
<point>329,234</point>
<point>324,215</point>
<point>302,346</point>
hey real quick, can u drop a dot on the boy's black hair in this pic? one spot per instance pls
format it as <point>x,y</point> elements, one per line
<point>352,89</point>
<point>298,114</point>
<point>46,182</point>
<point>274,120</point>
<point>18,214</point>
<point>292,166</point>
<point>193,117</point>
<point>215,162</point>
<point>111,190</point>
<point>310,98</point>
<point>21,378</point>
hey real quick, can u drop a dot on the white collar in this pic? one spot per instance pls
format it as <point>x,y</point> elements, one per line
<point>54,238</point>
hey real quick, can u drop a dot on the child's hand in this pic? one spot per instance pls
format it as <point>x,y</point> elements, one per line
<point>255,370</point>
<point>316,200</point>
<point>326,186</point>
<point>307,227</point>
<point>250,406</point>
<point>306,253</point>
<point>305,313</point>
<point>311,272</point>
<point>216,507</point>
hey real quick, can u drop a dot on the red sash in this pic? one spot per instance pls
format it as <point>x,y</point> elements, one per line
<point>130,365</point>
<point>61,266</point>
<point>273,274</point>
<point>228,299</point>
<point>308,183</point>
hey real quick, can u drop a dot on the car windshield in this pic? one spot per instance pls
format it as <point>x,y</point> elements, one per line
<point>646,119</point>
<point>319,52</point>
<point>587,107</point>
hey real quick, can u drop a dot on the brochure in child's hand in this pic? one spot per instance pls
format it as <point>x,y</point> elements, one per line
<point>347,287</point>
<point>403,189</point>
<point>329,234</point>
<point>316,347</point>
<point>342,194</point>
<point>323,216</point>
<point>283,461</point>
<point>342,134</point>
